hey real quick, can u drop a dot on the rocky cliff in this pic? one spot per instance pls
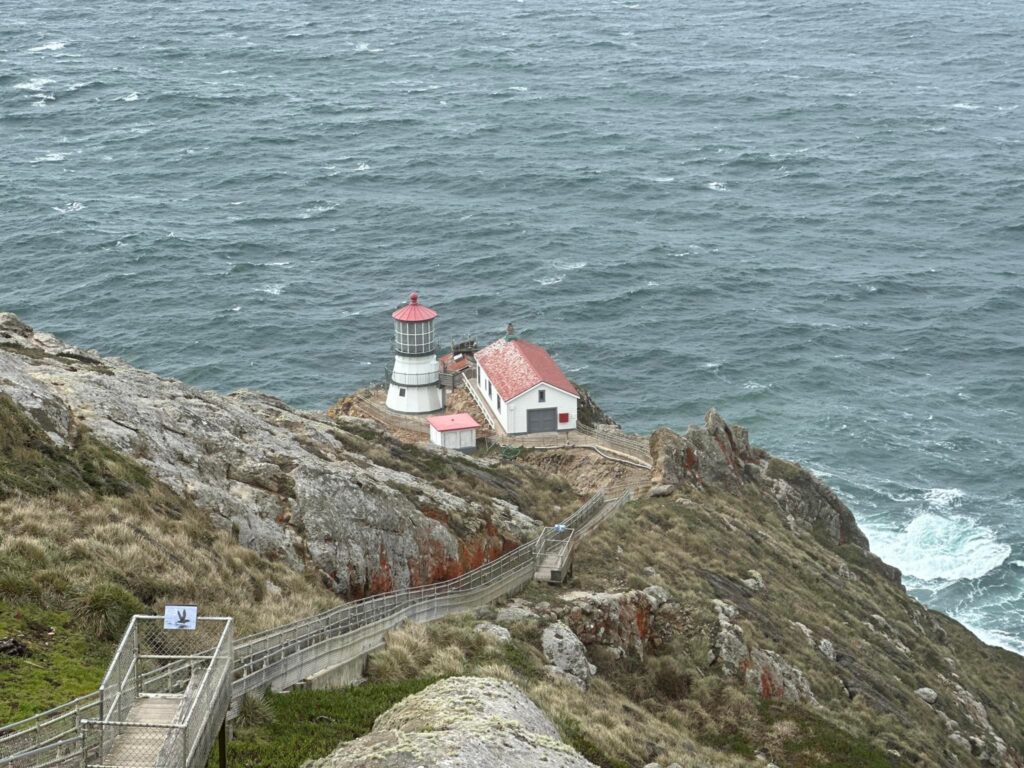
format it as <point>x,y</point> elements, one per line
<point>732,616</point>
<point>736,616</point>
<point>332,496</point>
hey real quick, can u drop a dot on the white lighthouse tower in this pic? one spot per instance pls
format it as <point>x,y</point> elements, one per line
<point>414,385</point>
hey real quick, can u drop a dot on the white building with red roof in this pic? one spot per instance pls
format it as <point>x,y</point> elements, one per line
<point>455,431</point>
<point>525,388</point>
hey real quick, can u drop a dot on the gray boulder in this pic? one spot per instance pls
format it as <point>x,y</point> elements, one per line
<point>461,722</point>
<point>927,695</point>
<point>493,631</point>
<point>565,652</point>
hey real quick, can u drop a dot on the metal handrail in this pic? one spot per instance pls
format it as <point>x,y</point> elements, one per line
<point>275,656</point>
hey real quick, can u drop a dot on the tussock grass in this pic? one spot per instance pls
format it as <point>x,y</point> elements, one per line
<point>89,539</point>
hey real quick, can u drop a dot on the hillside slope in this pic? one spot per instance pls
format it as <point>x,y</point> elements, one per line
<point>737,615</point>
<point>121,491</point>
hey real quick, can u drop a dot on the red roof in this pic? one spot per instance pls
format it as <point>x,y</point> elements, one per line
<point>414,312</point>
<point>450,365</point>
<point>452,421</point>
<point>515,366</point>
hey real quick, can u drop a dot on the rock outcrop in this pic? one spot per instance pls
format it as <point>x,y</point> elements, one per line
<point>630,623</point>
<point>566,654</point>
<point>719,455</point>
<point>290,485</point>
<point>766,672</point>
<point>461,722</point>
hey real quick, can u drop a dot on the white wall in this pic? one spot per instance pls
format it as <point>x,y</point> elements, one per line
<point>454,439</point>
<point>407,372</point>
<point>530,399</point>
<point>512,415</point>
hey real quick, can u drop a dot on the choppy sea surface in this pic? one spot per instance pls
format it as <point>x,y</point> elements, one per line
<point>809,214</point>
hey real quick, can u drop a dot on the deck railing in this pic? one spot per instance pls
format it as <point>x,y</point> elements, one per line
<point>278,658</point>
<point>190,669</point>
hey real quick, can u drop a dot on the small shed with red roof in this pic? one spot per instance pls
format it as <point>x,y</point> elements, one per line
<point>456,431</point>
<point>525,388</point>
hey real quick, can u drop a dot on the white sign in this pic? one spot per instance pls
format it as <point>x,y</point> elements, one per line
<point>180,616</point>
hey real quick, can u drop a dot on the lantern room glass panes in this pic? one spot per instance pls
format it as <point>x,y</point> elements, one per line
<point>414,338</point>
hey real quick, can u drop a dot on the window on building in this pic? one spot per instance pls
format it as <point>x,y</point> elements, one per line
<point>489,390</point>
<point>542,396</point>
<point>401,391</point>
<point>498,399</point>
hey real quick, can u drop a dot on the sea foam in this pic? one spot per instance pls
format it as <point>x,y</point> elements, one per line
<point>940,548</point>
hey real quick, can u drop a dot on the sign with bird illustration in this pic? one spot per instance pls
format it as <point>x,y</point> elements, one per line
<point>180,616</point>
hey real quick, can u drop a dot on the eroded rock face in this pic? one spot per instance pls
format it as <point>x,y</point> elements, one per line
<point>719,455</point>
<point>764,671</point>
<point>281,480</point>
<point>633,622</point>
<point>461,722</point>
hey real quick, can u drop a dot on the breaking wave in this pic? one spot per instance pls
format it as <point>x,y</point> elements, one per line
<point>937,547</point>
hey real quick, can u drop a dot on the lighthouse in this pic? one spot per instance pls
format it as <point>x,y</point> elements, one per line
<point>414,385</point>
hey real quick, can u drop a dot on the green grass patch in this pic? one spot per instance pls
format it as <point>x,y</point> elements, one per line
<point>811,736</point>
<point>306,725</point>
<point>31,464</point>
<point>63,661</point>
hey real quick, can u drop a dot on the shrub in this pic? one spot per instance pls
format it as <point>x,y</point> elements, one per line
<point>106,610</point>
<point>254,710</point>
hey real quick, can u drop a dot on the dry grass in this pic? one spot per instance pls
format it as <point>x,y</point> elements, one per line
<point>673,707</point>
<point>81,554</point>
<point>88,539</point>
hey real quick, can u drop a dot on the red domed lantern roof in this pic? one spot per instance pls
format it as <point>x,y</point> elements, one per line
<point>414,312</point>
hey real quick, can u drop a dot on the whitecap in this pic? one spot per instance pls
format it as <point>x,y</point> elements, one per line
<point>570,266</point>
<point>71,207</point>
<point>316,210</point>
<point>550,280</point>
<point>652,284</point>
<point>236,309</point>
<point>519,88</point>
<point>365,48</point>
<point>1017,563</point>
<point>35,84</point>
<point>963,105</point>
<point>363,167</point>
<point>285,264</point>
<point>756,386</point>
<point>49,157</point>
<point>273,290</point>
<point>996,637</point>
<point>934,547</point>
<point>717,186</point>
<point>133,96</point>
<point>944,498</point>
<point>712,366</point>
<point>53,45</point>
<point>663,179</point>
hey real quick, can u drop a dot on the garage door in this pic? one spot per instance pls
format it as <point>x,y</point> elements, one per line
<point>542,420</point>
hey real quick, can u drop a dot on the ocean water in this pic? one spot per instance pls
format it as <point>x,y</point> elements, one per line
<point>810,215</point>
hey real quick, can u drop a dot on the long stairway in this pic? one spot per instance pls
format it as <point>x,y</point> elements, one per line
<point>203,676</point>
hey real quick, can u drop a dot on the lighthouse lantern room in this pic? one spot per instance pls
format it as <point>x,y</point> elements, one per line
<point>414,385</point>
